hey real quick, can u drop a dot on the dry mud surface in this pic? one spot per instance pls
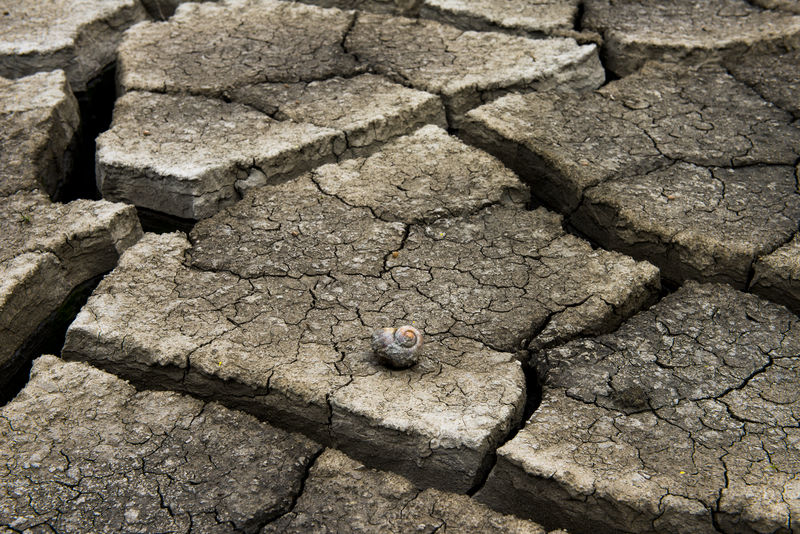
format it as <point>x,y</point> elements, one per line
<point>589,209</point>
<point>47,249</point>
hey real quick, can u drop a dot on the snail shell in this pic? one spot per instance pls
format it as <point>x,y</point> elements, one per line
<point>397,348</point>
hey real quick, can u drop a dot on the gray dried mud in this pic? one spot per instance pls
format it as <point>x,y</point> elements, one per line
<point>686,168</point>
<point>342,495</point>
<point>322,81</point>
<point>287,310</point>
<point>76,36</point>
<point>514,179</point>
<point>635,31</point>
<point>48,249</point>
<point>39,120</point>
<point>684,420</point>
<point>82,450</point>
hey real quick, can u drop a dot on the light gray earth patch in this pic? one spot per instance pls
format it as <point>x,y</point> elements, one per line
<point>294,230</point>
<point>217,48</point>
<point>78,36</point>
<point>187,153</point>
<point>467,68</point>
<point>210,48</point>
<point>409,8</point>
<point>190,156</point>
<point>518,259</point>
<point>704,116</point>
<point>281,114</point>
<point>560,144</point>
<point>684,420</point>
<point>507,277</point>
<point>38,121</point>
<point>422,177</point>
<point>279,324</point>
<point>694,222</point>
<point>48,250</point>
<point>688,169</point>
<point>367,108</point>
<point>684,31</point>
<point>633,126</point>
<point>777,276</point>
<point>773,72</point>
<point>182,155</point>
<point>342,495</point>
<point>82,450</point>
<point>310,143</point>
<point>262,345</point>
<point>534,18</point>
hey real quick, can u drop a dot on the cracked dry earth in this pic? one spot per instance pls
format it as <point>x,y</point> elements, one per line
<point>589,208</point>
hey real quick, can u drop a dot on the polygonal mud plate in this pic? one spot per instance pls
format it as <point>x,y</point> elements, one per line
<point>82,451</point>
<point>342,495</point>
<point>684,420</point>
<point>686,168</point>
<point>286,336</point>
<point>38,124</point>
<point>635,31</point>
<point>78,36</point>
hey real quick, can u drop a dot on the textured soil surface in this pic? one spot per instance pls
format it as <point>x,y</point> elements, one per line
<point>588,211</point>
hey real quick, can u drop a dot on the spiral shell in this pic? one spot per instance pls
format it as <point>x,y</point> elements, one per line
<point>398,348</point>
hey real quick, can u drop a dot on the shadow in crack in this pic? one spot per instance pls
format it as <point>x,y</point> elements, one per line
<point>162,223</point>
<point>47,339</point>
<point>96,108</point>
<point>533,397</point>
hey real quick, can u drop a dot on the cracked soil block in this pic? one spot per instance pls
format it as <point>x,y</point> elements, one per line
<point>82,450</point>
<point>78,36</point>
<point>684,420</point>
<point>271,305</point>
<point>688,169</point>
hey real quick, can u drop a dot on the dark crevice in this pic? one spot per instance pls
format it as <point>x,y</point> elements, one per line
<point>158,9</point>
<point>265,521</point>
<point>602,55</point>
<point>668,287</point>
<point>96,105</point>
<point>485,469</point>
<point>162,223</point>
<point>611,76</point>
<point>751,273</point>
<point>47,339</point>
<point>760,7</point>
<point>346,34</point>
<point>533,397</point>
<point>570,228</point>
<point>578,22</point>
<point>715,512</point>
<point>534,394</point>
<point>534,203</point>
